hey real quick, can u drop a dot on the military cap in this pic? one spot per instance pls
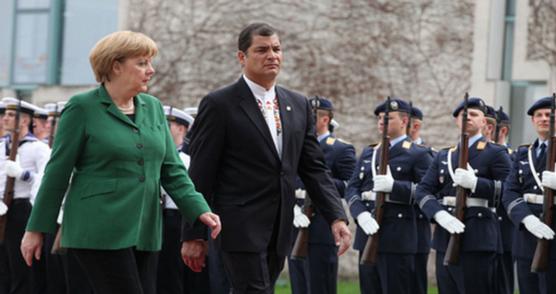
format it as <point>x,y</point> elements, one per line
<point>2,108</point>
<point>541,103</point>
<point>416,113</point>
<point>40,113</point>
<point>396,104</point>
<point>472,102</point>
<point>11,103</point>
<point>52,109</point>
<point>178,115</point>
<point>191,111</point>
<point>323,103</point>
<point>503,117</point>
<point>490,112</point>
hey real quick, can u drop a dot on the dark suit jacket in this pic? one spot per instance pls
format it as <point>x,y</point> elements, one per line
<point>235,165</point>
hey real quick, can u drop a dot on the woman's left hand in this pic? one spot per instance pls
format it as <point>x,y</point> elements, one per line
<point>212,221</point>
<point>31,246</point>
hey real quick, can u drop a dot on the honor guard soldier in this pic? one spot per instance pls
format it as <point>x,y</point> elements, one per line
<point>523,199</point>
<point>496,120</point>
<point>423,224</point>
<point>319,272</point>
<point>32,156</point>
<point>488,164</point>
<point>173,276</point>
<point>407,162</point>
<point>40,126</point>
<point>4,273</point>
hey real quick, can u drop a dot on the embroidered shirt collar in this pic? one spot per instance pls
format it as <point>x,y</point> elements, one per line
<point>260,92</point>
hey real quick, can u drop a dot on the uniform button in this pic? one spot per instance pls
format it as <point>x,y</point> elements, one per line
<point>139,145</point>
<point>140,162</point>
<point>367,204</point>
<point>449,209</point>
<point>480,214</point>
<point>400,215</point>
<point>500,218</point>
<point>420,216</point>
<point>141,179</point>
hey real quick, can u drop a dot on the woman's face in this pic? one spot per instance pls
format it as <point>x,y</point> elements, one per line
<point>135,72</point>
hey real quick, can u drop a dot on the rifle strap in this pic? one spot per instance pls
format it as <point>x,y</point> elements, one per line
<point>373,160</point>
<point>533,169</point>
<point>450,165</point>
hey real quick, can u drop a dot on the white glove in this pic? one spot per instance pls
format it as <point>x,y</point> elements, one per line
<point>367,223</point>
<point>300,194</point>
<point>368,196</point>
<point>465,178</point>
<point>300,220</point>
<point>60,216</point>
<point>383,183</point>
<point>449,222</point>
<point>549,179</point>
<point>3,207</point>
<point>13,169</point>
<point>534,225</point>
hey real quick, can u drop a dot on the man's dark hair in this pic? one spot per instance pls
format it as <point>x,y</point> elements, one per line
<point>255,29</point>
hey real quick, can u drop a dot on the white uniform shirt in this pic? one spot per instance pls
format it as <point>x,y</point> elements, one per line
<point>168,202</point>
<point>32,156</point>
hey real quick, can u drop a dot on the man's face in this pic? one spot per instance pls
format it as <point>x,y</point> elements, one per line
<point>489,129</point>
<point>396,123</point>
<point>9,120</point>
<point>263,58</point>
<point>475,120</point>
<point>323,120</point>
<point>541,121</point>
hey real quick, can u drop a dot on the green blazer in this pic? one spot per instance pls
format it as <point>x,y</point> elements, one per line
<point>116,167</point>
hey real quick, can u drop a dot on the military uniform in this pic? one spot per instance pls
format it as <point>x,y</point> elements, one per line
<point>481,239</point>
<point>398,243</point>
<point>318,274</point>
<point>522,197</point>
<point>32,158</point>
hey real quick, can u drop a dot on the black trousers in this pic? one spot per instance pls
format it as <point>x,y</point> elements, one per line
<point>536,283</point>
<point>392,274</point>
<point>217,275</point>
<point>318,273</point>
<point>75,277</point>
<point>475,274</point>
<point>122,271</point>
<point>173,276</point>
<point>420,278</point>
<point>252,273</point>
<point>505,273</point>
<point>22,277</point>
<point>54,275</point>
<point>4,270</point>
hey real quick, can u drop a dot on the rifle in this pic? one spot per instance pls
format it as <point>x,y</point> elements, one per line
<point>454,245</point>
<point>371,247</point>
<point>300,248</point>
<point>10,181</point>
<point>498,121</point>
<point>408,127</point>
<point>540,259</point>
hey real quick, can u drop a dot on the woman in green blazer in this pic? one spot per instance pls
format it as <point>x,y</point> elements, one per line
<point>115,144</point>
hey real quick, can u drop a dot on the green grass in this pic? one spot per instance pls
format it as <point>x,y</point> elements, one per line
<point>344,287</point>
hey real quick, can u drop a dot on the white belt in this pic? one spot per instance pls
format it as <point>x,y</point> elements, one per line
<point>535,198</point>
<point>469,202</point>
<point>371,196</point>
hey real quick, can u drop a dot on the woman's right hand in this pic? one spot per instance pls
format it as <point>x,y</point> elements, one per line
<point>31,246</point>
<point>212,221</point>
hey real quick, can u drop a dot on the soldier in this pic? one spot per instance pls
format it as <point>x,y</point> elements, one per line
<point>488,164</point>
<point>490,126</point>
<point>407,163</point>
<point>40,126</point>
<point>423,224</point>
<point>523,200</point>
<point>319,273</point>
<point>416,125</point>
<point>172,274</point>
<point>503,128</point>
<point>27,171</point>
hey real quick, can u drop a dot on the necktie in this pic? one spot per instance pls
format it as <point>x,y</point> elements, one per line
<point>541,155</point>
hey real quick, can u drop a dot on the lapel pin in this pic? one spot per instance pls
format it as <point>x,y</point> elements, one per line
<point>288,108</point>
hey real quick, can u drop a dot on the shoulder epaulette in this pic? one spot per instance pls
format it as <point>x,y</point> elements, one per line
<point>481,145</point>
<point>406,145</point>
<point>330,140</point>
<point>343,141</point>
<point>510,151</point>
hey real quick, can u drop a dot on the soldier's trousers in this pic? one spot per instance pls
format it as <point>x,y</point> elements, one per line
<point>21,276</point>
<point>392,274</point>
<point>318,273</point>
<point>505,273</point>
<point>535,283</point>
<point>474,275</point>
<point>420,280</point>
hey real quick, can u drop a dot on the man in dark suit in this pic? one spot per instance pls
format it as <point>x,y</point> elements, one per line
<point>250,140</point>
<point>319,272</point>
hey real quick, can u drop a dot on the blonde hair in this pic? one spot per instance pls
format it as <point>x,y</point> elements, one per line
<point>118,46</point>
